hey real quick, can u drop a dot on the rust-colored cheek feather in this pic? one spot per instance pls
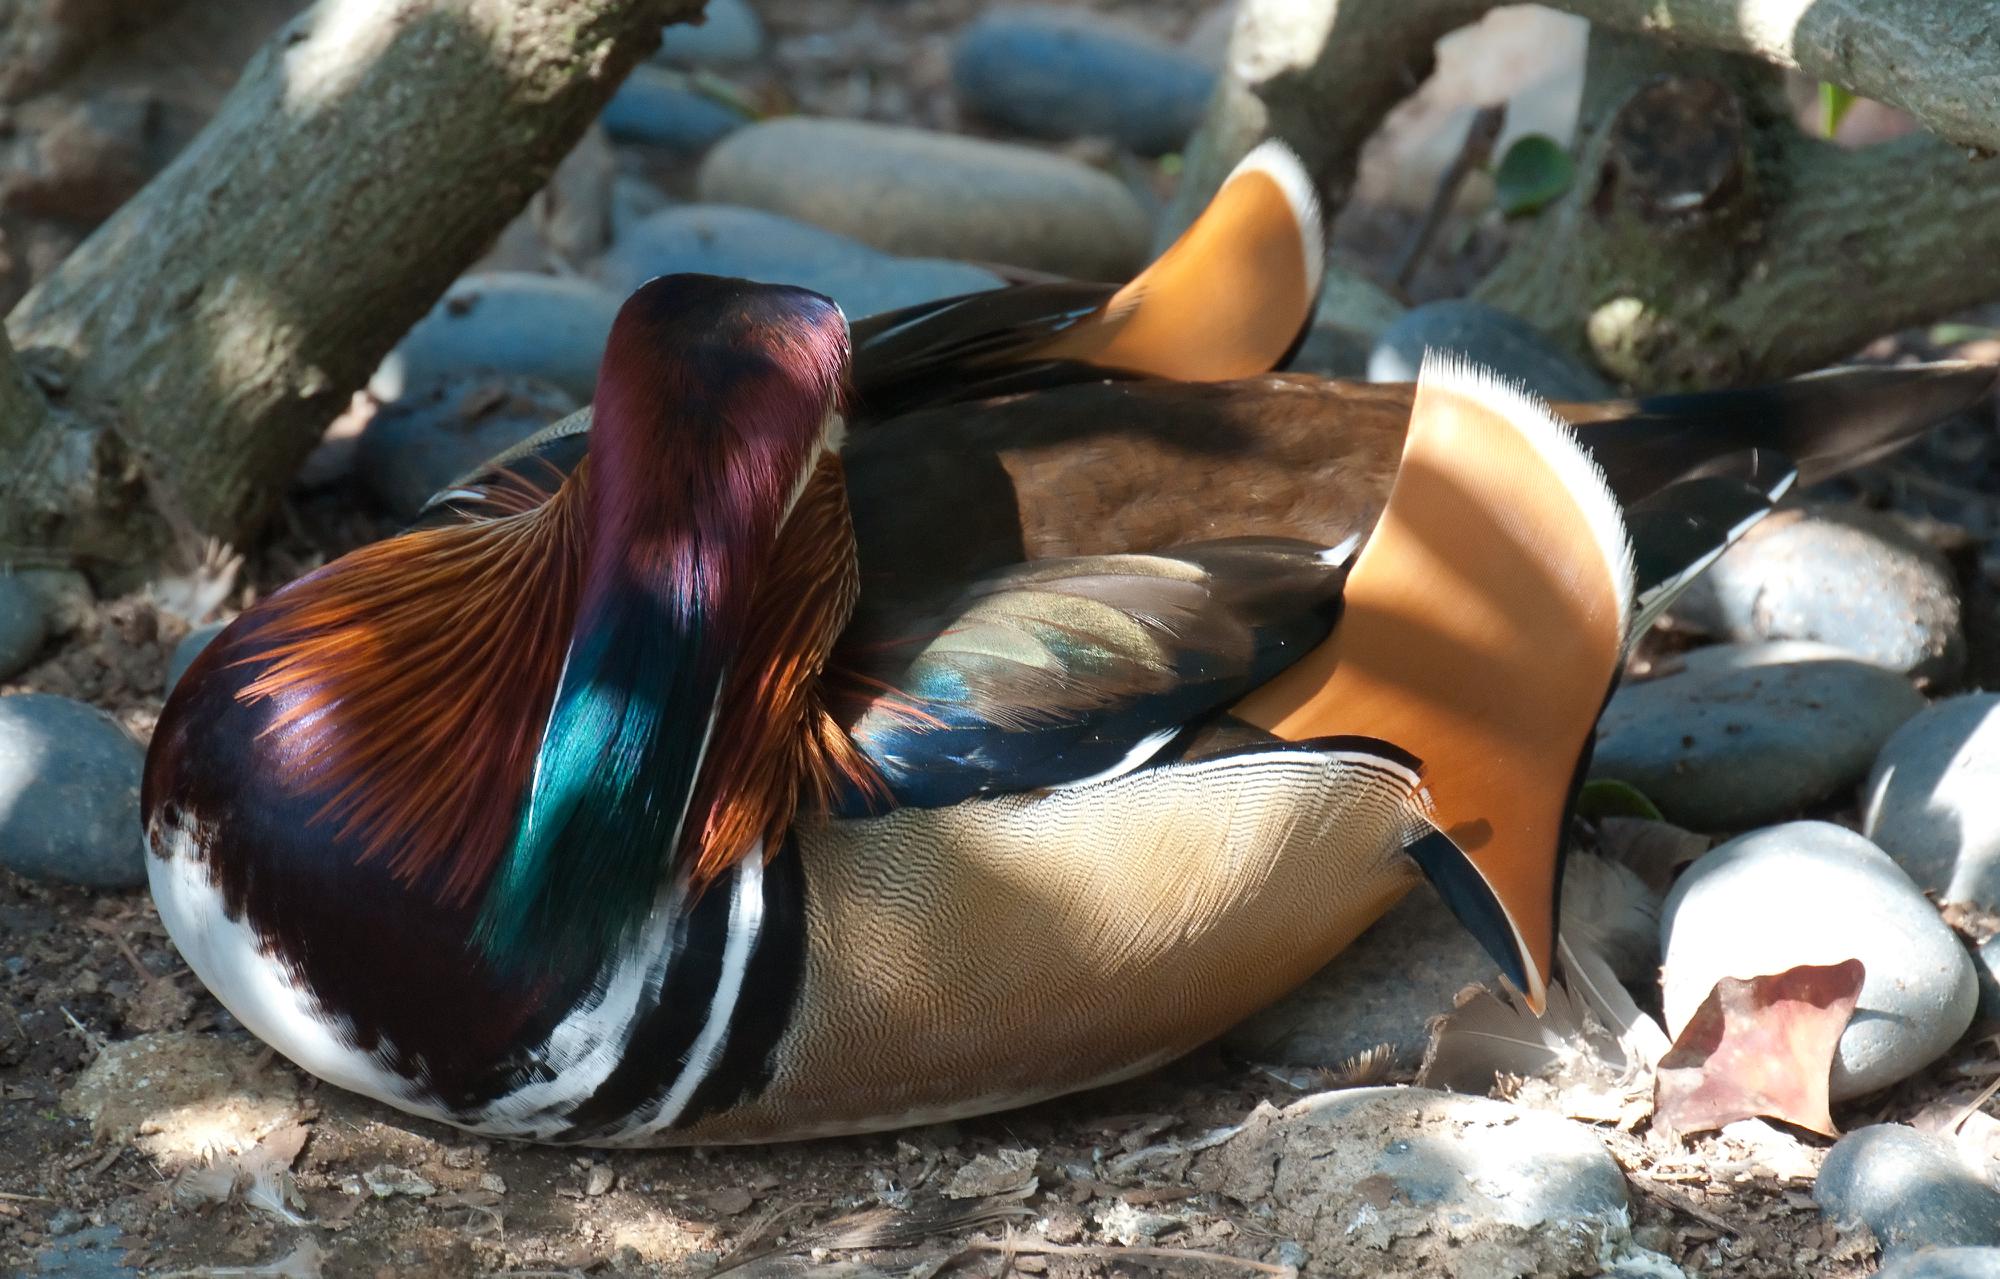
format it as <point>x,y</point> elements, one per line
<point>775,748</point>
<point>413,678</point>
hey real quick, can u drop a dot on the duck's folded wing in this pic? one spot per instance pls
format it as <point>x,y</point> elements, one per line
<point>1065,672</point>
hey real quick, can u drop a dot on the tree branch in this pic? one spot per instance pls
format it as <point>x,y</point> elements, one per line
<point>1709,242</point>
<point>1322,73</point>
<point>1939,60</point>
<point>366,155</point>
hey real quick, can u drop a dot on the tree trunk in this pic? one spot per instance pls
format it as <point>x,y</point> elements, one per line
<point>209,330</point>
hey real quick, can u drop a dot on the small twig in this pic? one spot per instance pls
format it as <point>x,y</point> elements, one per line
<point>1473,154</point>
<point>107,929</point>
<point>1680,1201</point>
<point>13,1196</point>
<point>1111,1252</point>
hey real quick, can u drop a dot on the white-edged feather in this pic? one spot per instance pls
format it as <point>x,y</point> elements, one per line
<point>1283,166</point>
<point>1556,443</point>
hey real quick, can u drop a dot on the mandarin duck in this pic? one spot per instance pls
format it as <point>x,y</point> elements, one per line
<point>659,787</point>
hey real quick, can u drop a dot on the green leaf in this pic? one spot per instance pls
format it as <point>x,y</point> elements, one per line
<point>1535,171</point>
<point>1833,104</point>
<point>1605,797</point>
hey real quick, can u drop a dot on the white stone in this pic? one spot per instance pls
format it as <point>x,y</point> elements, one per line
<point>1933,799</point>
<point>1816,893</point>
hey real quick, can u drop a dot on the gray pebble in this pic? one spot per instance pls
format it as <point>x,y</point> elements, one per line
<point>923,194</point>
<point>727,240</point>
<point>1933,799</point>
<point>188,649</point>
<point>728,35</point>
<point>94,1253</point>
<point>1987,958</point>
<point>23,625</point>
<point>1383,989</point>
<point>418,445</point>
<point>1842,576</point>
<point>1068,73</point>
<point>1751,733</point>
<point>538,326</point>
<point>1913,1190</point>
<point>1943,1263</point>
<point>1350,318</point>
<point>1816,893</point>
<point>69,793</point>
<point>1413,1181</point>
<point>67,600</point>
<point>633,200</point>
<point>657,107</point>
<point>1497,339</point>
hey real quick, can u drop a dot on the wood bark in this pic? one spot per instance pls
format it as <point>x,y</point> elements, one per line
<point>208,331</point>
<point>1322,73</point>
<point>1708,241</point>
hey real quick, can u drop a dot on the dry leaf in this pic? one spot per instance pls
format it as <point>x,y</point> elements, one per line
<point>1759,1047</point>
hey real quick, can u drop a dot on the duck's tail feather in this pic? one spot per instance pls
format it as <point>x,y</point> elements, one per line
<point>1482,628</point>
<point>1686,526</point>
<point>1826,422</point>
<point>1231,298</point>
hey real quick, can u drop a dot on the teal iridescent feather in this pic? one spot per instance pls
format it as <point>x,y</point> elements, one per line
<point>611,786</point>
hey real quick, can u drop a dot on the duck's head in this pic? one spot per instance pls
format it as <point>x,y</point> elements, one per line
<point>715,400</point>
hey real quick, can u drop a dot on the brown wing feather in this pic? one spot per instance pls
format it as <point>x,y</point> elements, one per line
<point>774,747</point>
<point>415,676</point>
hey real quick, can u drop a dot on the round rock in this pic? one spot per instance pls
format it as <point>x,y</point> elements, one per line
<point>67,601</point>
<point>1842,576</point>
<point>1500,340</point>
<point>537,326</point>
<point>1412,1181</point>
<point>1933,799</point>
<point>922,194</point>
<point>1988,960</point>
<point>728,240</point>
<point>1751,733</point>
<point>190,648</point>
<point>1943,1263</point>
<point>1068,73</point>
<point>728,35</point>
<point>69,793</point>
<point>418,445</point>
<point>1816,893</point>
<point>657,108</point>
<point>23,625</point>
<point>1912,1189</point>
